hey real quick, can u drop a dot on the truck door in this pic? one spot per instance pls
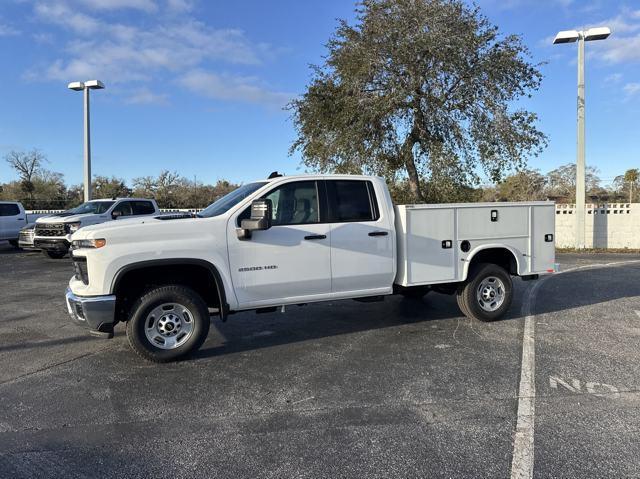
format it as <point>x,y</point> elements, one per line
<point>291,261</point>
<point>362,238</point>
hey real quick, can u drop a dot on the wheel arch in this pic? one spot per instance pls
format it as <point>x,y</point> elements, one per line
<point>159,269</point>
<point>499,254</point>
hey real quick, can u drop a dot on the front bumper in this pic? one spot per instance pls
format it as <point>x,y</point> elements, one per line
<point>51,244</point>
<point>96,313</point>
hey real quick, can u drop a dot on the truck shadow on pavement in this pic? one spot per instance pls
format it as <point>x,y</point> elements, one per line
<point>250,331</point>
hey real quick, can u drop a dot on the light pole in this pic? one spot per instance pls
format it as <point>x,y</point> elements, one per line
<point>85,87</point>
<point>570,36</point>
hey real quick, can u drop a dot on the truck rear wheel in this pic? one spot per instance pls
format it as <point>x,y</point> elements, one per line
<point>167,323</point>
<point>487,295</point>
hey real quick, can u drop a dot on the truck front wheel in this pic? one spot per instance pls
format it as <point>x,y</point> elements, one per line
<point>487,295</point>
<point>168,322</point>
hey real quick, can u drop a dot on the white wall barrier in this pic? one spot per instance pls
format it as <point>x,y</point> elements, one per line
<point>612,225</point>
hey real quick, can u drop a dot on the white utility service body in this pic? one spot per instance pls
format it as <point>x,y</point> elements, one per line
<point>295,240</point>
<point>430,238</point>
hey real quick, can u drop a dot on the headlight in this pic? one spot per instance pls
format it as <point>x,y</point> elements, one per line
<point>88,243</point>
<point>73,227</point>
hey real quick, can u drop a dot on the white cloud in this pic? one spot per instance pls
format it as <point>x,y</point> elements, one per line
<point>145,5</point>
<point>8,30</point>
<point>632,89</point>
<point>180,5</point>
<point>228,87</point>
<point>62,15</point>
<point>613,78</point>
<point>144,96</point>
<point>162,50</point>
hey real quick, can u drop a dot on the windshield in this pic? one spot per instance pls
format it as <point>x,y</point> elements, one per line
<point>95,207</point>
<point>230,200</point>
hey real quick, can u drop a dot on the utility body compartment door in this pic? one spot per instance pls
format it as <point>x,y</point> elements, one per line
<point>427,251</point>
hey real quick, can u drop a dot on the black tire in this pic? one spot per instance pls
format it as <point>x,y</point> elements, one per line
<point>14,243</point>
<point>415,292</point>
<point>498,282</point>
<point>54,254</point>
<point>154,298</point>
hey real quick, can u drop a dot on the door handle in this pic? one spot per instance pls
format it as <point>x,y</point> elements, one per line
<point>379,233</point>
<point>315,237</point>
<point>446,244</point>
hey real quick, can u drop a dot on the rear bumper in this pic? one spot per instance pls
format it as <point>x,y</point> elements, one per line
<point>51,244</point>
<point>95,313</point>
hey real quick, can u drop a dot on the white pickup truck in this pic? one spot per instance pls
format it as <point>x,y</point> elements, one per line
<point>53,233</point>
<point>294,240</point>
<point>12,219</point>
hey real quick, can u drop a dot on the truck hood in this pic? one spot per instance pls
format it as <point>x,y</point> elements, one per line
<point>70,218</point>
<point>152,229</point>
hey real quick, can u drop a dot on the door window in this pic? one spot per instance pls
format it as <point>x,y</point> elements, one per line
<point>351,200</point>
<point>9,210</point>
<point>124,208</point>
<point>294,203</point>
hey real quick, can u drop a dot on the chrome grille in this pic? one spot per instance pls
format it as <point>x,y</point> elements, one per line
<point>50,229</point>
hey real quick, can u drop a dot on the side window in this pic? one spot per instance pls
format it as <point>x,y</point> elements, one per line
<point>124,208</point>
<point>9,210</point>
<point>293,204</point>
<point>143,208</point>
<point>351,200</point>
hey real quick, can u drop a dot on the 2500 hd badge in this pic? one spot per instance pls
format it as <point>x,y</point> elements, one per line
<point>257,268</point>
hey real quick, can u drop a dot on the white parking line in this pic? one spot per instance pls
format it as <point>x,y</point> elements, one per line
<point>523,453</point>
<point>522,461</point>
<point>638,313</point>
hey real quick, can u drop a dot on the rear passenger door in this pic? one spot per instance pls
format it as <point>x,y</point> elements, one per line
<point>361,239</point>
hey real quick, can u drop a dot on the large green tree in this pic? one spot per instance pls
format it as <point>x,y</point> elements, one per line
<point>422,91</point>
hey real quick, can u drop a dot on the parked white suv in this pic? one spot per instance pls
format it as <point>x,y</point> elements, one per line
<point>12,219</point>
<point>294,240</point>
<point>53,233</point>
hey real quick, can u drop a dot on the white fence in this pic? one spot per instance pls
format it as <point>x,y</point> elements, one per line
<point>613,225</point>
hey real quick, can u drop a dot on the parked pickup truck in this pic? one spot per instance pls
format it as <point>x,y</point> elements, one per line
<point>53,233</point>
<point>12,219</point>
<point>295,240</point>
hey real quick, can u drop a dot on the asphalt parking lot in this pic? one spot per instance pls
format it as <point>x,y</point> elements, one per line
<point>403,388</point>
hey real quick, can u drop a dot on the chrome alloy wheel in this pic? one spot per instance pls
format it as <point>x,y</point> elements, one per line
<point>490,294</point>
<point>169,326</point>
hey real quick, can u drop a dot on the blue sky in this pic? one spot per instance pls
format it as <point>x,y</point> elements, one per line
<point>198,86</point>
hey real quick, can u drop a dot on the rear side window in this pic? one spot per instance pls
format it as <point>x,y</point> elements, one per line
<point>351,200</point>
<point>9,210</point>
<point>143,208</point>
